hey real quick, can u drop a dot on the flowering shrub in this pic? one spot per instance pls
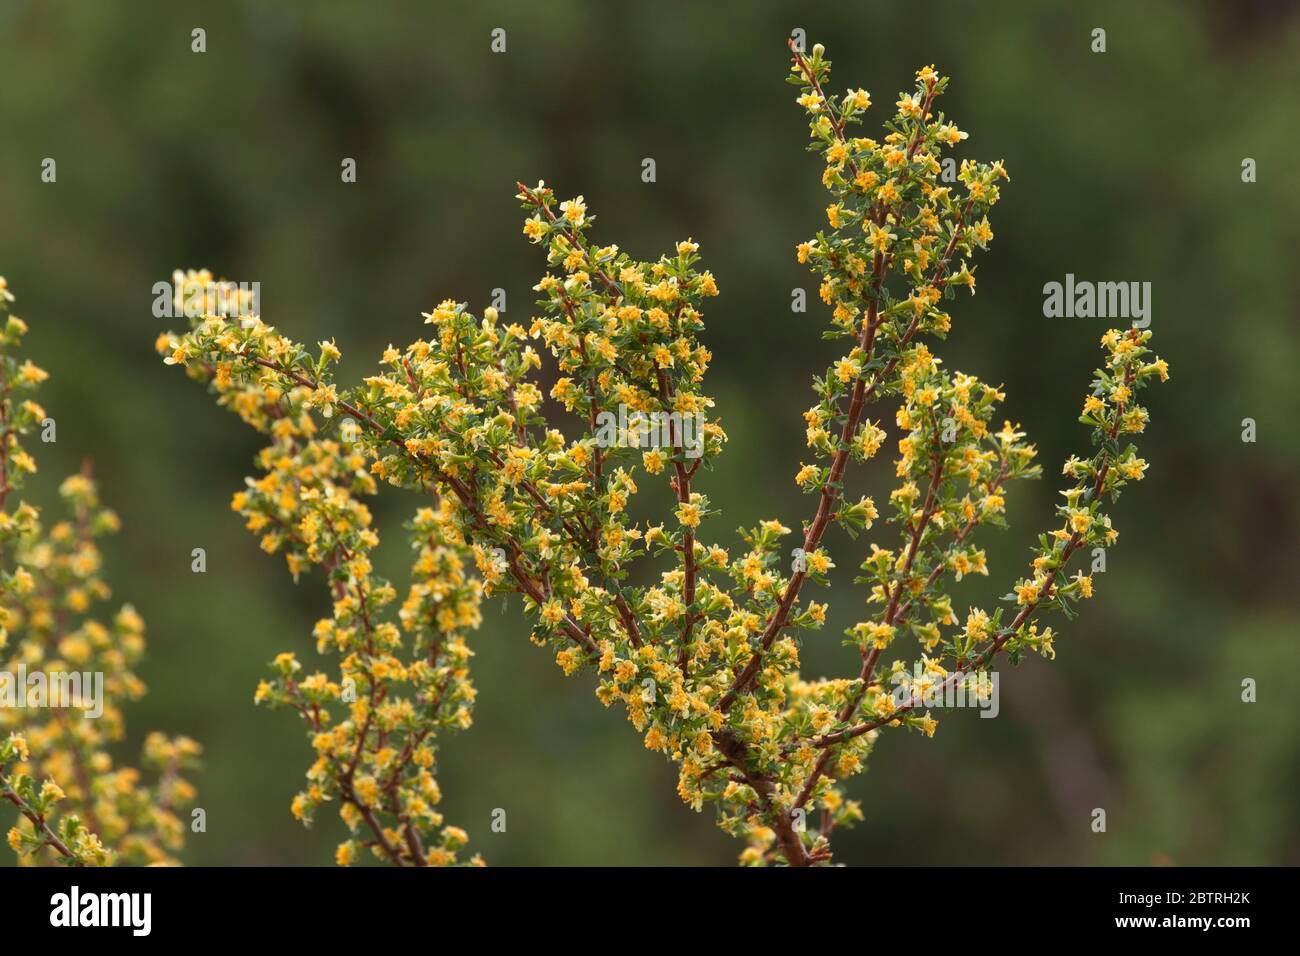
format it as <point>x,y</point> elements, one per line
<point>74,805</point>
<point>705,661</point>
<point>374,728</point>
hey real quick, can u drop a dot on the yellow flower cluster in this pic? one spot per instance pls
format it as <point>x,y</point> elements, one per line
<point>403,667</point>
<point>893,218</point>
<point>56,733</point>
<point>702,653</point>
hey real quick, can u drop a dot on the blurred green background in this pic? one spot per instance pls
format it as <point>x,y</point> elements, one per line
<point>1126,166</point>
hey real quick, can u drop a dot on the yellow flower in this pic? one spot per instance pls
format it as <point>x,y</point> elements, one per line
<point>870,439</point>
<point>812,102</point>
<point>909,105</point>
<point>575,210</point>
<point>569,660</point>
<point>977,624</point>
<point>23,582</point>
<point>865,179</point>
<point>31,375</point>
<point>19,744</point>
<point>879,238</point>
<point>366,789</point>
<point>51,791</point>
<point>1133,470</point>
<point>624,671</point>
